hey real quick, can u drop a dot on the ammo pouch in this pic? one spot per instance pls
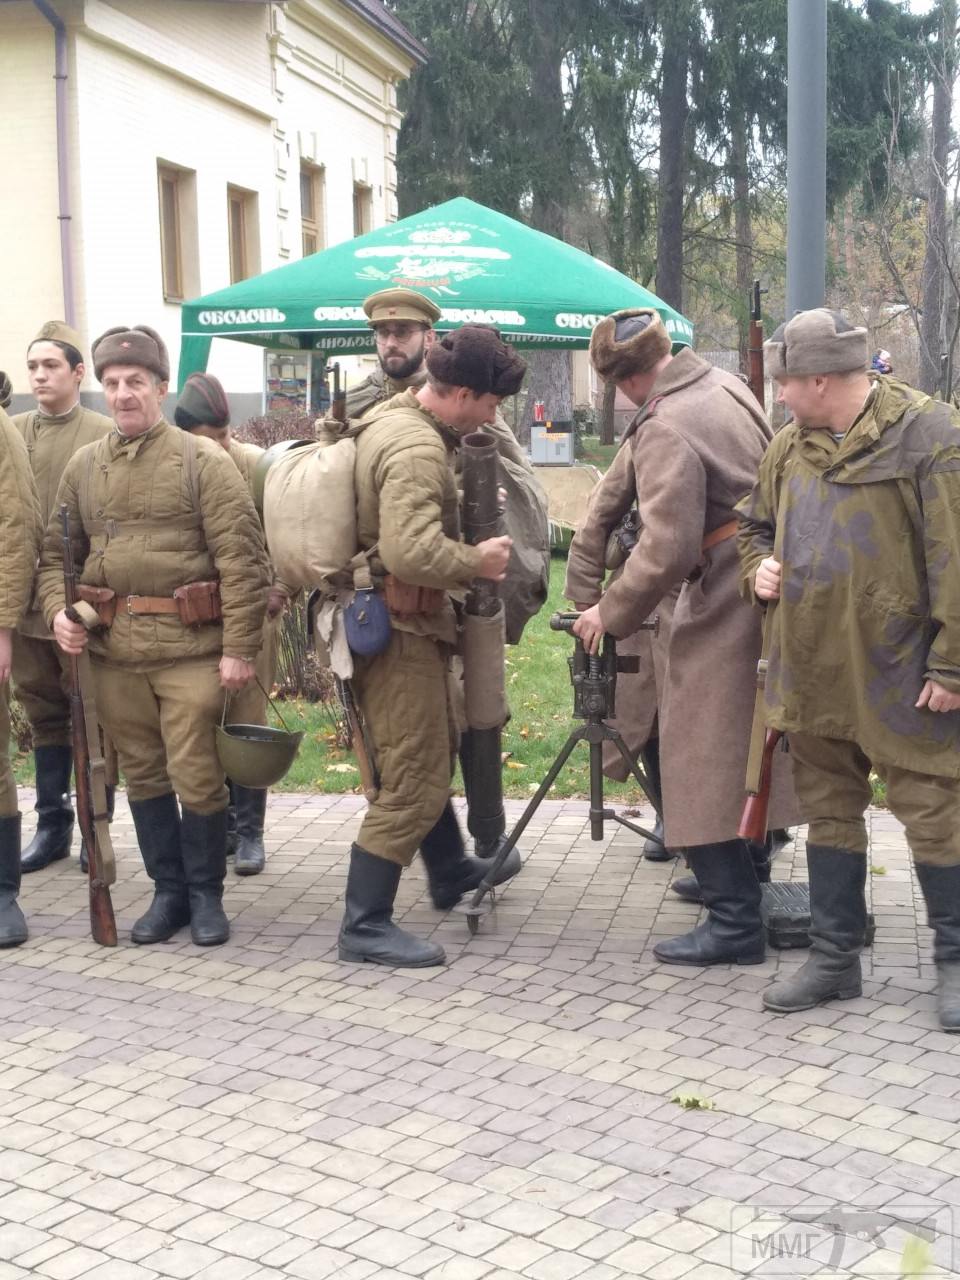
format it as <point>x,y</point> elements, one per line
<point>103,600</point>
<point>198,603</point>
<point>405,600</point>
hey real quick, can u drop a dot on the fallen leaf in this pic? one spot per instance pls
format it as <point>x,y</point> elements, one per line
<point>878,871</point>
<point>341,768</point>
<point>690,1102</point>
<point>515,764</point>
<point>916,1259</point>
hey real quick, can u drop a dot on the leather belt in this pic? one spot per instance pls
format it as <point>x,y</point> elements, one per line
<point>720,534</point>
<point>151,604</point>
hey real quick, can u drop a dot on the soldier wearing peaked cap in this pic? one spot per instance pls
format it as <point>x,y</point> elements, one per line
<point>695,446</point>
<point>854,528</point>
<point>174,577</point>
<point>53,432</point>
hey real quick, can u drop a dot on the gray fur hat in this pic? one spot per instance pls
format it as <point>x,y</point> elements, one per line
<point>816,341</point>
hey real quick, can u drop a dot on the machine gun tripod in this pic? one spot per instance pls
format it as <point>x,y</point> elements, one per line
<point>594,680</point>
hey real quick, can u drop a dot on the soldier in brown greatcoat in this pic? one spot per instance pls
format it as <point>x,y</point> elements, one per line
<point>696,446</point>
<point>170,554</point>
<point>20,531</point>
<point>203,410</point>
<point>53,432</point>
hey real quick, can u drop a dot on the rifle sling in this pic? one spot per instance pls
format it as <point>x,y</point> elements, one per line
<point>98,775</point>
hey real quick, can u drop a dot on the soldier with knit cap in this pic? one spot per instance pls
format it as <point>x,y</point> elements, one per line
<point>853,527</point>
<point>408,520</point>
<point>695,447</point>
<point>170,555</point>
<point>204,410</point>
<point>53,432</point>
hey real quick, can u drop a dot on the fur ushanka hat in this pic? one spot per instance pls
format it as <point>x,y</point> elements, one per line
<point>628,342</point>
<point>475,356</point>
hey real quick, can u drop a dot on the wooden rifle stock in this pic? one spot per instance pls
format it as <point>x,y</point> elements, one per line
<point>757,378</point>
<point>369,781</point>
<point>753,820</point>
<point>103,925</point>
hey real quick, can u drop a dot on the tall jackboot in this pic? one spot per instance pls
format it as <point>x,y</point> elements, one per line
<point>250,807</point>
<point>941,892</point>
<point>368,932</point>
<point>450,872</point>
<point>54,832</point>
<point>655,850</point>
<point>111,806</point>
<point>157,824</point>
<point>762,854</point>
<point>733,930</point>
<point>13,927</point>
<point>838,926</point>
<point>203,839</point>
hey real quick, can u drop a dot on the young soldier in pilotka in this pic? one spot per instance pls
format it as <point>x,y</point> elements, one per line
<point>408,520</point>
<point>174,576</point>
<point>853,528</point>
<point>20,532</point>
<point>694,449</point>
<point>53,432</point>
<point>203,410</point>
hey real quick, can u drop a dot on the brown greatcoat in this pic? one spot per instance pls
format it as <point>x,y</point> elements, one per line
<point>696,448</point>
<point>638,695</point>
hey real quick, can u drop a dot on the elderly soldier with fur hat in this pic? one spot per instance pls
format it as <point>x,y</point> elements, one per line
<point>854,528</point>
<point>408,521</point>
<point>204,410</point>
<point>173,569</point>
<point>53,432</point>
<point>695,447</point>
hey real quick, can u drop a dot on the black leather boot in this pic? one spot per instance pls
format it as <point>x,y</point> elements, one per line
<point>368,932</point>
<point>250,810</point>
<point>13,927</point>
<point>450,872</point>
<point>733,930</point>
<point>762,854</point>
<point>203,839</point>
<point>655,850</point>
<point>54,832</point>
<point>111,806</point>
<point>838,926</point>
<point>941,892</point>
<point>157,824</point>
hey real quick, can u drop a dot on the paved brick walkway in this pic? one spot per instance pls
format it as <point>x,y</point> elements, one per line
<point>262,1111</point>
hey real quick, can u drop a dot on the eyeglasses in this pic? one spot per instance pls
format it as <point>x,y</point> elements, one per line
<point>401,330</point>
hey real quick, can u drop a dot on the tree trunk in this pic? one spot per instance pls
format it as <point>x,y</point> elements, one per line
<point>674,109</point>
<point>743,230</point>
<point>608,423</point>
<point>934,281</point>
<point>549,379</point>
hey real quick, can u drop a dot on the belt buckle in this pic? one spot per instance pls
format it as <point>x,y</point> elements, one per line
<point>130,600</point>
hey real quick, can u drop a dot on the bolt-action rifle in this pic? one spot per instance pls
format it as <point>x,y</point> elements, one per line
<point>89,766</point>
<point>763,743</point>
<point>756,344</point>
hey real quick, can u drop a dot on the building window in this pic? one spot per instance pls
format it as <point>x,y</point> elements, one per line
<point>243,234</point>
<point>362,209</point>
<point>312,208</point>
<point>171,236</point>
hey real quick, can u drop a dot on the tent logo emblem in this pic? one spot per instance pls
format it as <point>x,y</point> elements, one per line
<point>442,235</point>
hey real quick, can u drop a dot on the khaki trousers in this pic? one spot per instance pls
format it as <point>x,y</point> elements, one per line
<point>40,682</point>
<point>832,779</point>
<point>404,698</point>
<point>164,724</point>
<point>8,786</point>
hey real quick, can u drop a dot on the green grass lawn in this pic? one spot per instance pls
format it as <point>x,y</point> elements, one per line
<point>600,455</point>
<point>541,701</point>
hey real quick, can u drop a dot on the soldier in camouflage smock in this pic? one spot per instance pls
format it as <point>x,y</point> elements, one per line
<point>854,529</point>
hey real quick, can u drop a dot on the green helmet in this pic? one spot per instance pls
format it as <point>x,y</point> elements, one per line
<point>256,755</point>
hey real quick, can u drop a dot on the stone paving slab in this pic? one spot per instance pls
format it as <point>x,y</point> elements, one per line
<point>261,1111</point>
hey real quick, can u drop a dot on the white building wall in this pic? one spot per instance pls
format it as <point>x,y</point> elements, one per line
<point>235,93</point>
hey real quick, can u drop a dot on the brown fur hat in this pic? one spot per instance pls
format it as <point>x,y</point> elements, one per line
<point>475,356</point>
<point>616,357</point>
<point>140,345</point>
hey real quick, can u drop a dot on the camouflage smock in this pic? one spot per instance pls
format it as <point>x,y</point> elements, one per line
<point>867,530</point>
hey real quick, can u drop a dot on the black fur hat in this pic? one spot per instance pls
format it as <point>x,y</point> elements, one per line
<point>475,356</point>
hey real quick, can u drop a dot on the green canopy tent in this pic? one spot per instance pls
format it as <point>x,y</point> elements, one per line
<point>478,265</point>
